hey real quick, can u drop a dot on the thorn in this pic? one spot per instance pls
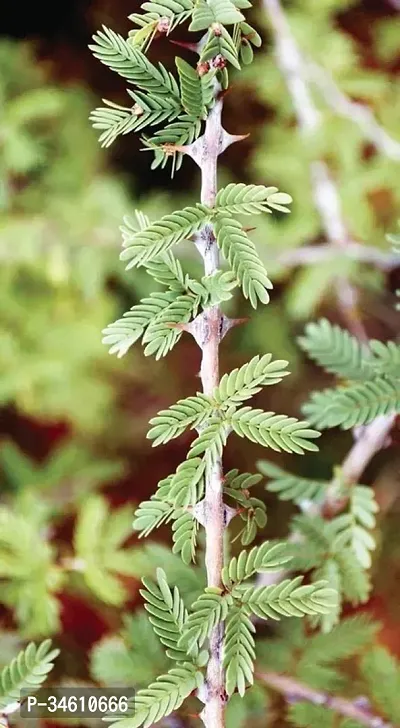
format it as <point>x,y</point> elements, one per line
<point>249,229</point>
<point>199,512</point>
<point>189,46</point>
<point>229,514</point>
<point>228,324</point>
<point>224,92</point>
<point>180,327</point>
<point>228,139</point>
<point>200,329</point>
<point>171,149</point>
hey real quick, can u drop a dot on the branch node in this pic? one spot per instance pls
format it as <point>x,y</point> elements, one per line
<point>228,324</point>
<point>195,150</point>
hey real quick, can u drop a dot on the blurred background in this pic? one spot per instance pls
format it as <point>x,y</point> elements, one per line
<point>74,458</point>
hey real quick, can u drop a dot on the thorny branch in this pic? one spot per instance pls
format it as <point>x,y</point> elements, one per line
<point>208,329</point>
<point>315,254</point>
<point>295,691</point>
<point>208,149</point>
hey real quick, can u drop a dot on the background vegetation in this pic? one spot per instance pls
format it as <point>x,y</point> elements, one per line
<point>73,455</point>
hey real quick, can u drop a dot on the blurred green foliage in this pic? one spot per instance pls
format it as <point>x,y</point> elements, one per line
<point>61,283</point>
<point>366,179</point>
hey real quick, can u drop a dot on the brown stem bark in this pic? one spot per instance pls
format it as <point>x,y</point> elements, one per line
<point>214,513</point>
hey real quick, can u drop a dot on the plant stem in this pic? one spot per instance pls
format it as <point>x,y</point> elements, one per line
<point>372,439</point>
<point>325,253</point>
<point>295,691</point>
<point>215,698</point>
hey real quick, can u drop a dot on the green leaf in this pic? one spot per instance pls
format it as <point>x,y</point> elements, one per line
<point>242,199</point>
<point>181,132</point>
<point>211,440</point>
<point>241,254</point>
<point>356,584</point>
<point>187,483</point>
<point>124,332</point>
<point>353,528</point>
<point>167,614</point>
<point>116,53</point>
<point>381,672</point>
<point>26,672</point>
<point>111,663</point>
<point>135,657</point>
<point>238,650</point>
<point>114,120</point>
<point>167,270</point>
<point>190,412</point>
<point>193,99</point>
<point>185,530</point>
<point>209,610</point>
<point>250,34</point>
<point>266,558</point>
<point>220,43</point>
<point>235,387</point>
<point>98,540</point>
<point>308,715</point>
<point>141,247</point>
<point>386,358</point>
<point>153,513</point>
<point>215,288</point>
<point>176,10</point>
<point>291,487</point>
<point>29,575</point>
<point>345,640</point>
<point>330,572</point>
<point>336,350</point>
<point>164,331</point>
<point>339,352</point>
<point>241,481</point>
<point>244,383</point>
<point>162,697</point>
<point>287,599</point>
<point>214,11</point>
<point>324,542</point>
<point>278,432</point>
<point>354,405</point>
<point>251,510</point>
